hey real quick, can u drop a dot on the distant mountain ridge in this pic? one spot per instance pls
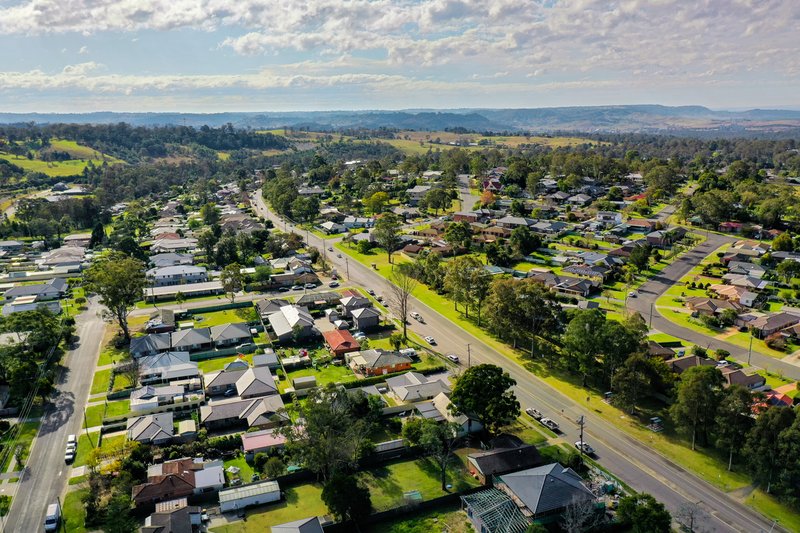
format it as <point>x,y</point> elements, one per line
<point>621,118</point>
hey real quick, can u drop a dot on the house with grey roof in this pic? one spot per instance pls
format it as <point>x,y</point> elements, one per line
<point>366,318</point>
<point>319,300</point>
<point>177,275</point>
<point>417,193</point>
<point>166,367</point>
<point>351,303</point>
<point>291,321</point>
<point>414,387</point>
<point>151,429</point>
<point>226,335</point>
<point>265,412</point>
<point>250,382</point>
<point>269,306</point>
<point>170,259</point>
<point>51,290</point>
<point>304,525</point>
<point>539,494</point>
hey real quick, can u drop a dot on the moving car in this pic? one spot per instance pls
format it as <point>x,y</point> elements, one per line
<point>452,357</point>
<point>430,340</point>
<point>533,413</point>
<point>333,283</point>
<point>416,316</point>
<point>549,424</point>
<point>584,447</point>
<point>339,256</point>
<point>330,248</point>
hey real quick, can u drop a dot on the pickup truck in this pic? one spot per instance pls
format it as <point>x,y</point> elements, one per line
<point>549,424</point>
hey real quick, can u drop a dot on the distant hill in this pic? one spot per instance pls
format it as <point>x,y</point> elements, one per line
<point>623,118</point>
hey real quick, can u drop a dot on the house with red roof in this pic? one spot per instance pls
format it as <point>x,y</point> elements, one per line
<point>340,342</point>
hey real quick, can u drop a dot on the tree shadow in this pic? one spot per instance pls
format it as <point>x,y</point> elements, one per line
<point>58,412</point>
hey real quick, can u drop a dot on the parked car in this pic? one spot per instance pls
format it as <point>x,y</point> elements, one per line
<point>584,447</point>
<point>549,424</point>
<point>370,292</point>
<point>230,392</point>
<point>297,287</point>
<point>310,286</point>
<point>69,456</point>
<point>723,363</point>
<point>453,357</point>
<point>533,413</point>
<point>339,256</point>
<point>333,283</point>
<point>245,346</point>
<point>379,298</point>
<point>53,517</point>
<point>283,289</point>
<point>430,340</point>
<point>330,248</point>
<point>632,294</point>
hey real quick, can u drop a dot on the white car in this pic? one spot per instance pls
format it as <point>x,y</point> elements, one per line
<point>453,357</point>
<point>416,316</point>
<point>632,294</point>
<point>430,340</point>
<point>584,447</point>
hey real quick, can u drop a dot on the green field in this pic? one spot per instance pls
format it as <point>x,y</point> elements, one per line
<point>74,513</point>
<point>27,432</point>
<point>100,381</point>
<point>55,169</point>
<point>299,502</point>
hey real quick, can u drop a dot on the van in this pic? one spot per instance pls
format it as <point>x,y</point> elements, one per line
<point>53,517</point>
<point>71,439</point>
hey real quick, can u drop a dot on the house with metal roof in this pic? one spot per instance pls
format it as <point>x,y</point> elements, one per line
<point>151,429</point>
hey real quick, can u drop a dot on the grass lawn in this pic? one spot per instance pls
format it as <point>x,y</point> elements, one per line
<point>27,432</point>
<point>94,416</point>
<point>85,446</point>
<point>218,363</point>
<point>110,355</point>
<point>100,381</point>
<point>774,510</point>
<point>149,305</point>
<point>217,318</point>
<point>449,518</point>
<point>523,429</point>
<point>663,337</point>
<point>94,413</point>
<point>325,374</point>
<point>742,339</point>
<point>245,470</point>
<point>387,483</point>
<point>73,512</point>
<point>300,501</point>
<point>55,169</point>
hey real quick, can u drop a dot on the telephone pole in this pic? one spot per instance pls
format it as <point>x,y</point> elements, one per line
<point>581,423</point>
<point>469,357</point>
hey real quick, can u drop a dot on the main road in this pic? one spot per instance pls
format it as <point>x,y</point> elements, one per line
<point>45,476</point>
<point>631,460</point>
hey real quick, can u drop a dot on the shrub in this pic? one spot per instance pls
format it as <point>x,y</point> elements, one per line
<point>699,351</point>
<point>776,341</point>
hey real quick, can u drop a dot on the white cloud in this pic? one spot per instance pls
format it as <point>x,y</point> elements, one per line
<point>84,50</point>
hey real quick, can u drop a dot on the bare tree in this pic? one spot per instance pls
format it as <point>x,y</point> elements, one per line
<point>689,515</point>
<point>130,370</point>
<point>402,286</point>
<point>579,516</point>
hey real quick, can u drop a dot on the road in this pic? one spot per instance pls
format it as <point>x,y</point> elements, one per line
<point>649,292</point>
<point>632,461</point>
<point>465,195</point>
<point>46,475</point>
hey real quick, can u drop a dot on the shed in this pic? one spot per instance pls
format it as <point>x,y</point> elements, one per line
<point>306,382</point>
<point>258,493</point>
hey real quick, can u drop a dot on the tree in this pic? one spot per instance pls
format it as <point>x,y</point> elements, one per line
<point>207,241</point>
<point>232,280</point>
<point>440,440</point>
<point>437,198</point>
<point>581,341</point>
<point>783,243</point>
<point>118,515</point>
<point>523,241</point>
<point>688,513</point>
<point>733,419</point>
<point>377,202</point>
<point>396,340</point>
<point>644,514</point>
<point>98,235</point>
<point>387,233</point>
<point>332,438</point>
<point>458,235</point>
<point>346,498</point>
<point>210,214</point>
<point>762,442</point>
<point>130,370</point>
<point>484,392</point>
<point>697,400</point>
<point>401,288</point>
<point>788,269</point>
<point>120,282</point>
<point>640,257</point>
<point>633,380</point>
<point>579,516</point>
<point>274,467</point>
<point>180,298</point>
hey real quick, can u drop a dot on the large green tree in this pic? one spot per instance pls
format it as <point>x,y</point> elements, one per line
<point>387,233</point>
<point>484,392</point>
<point>232,280</point>
<point>698,397</point>
<point>346,498</point>
<point>733,419</point>
<point>120,282</point>
<point>644,514</point>
<point>762,444</point>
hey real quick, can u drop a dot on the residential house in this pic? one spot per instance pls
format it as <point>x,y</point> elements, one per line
<point>351,303</point>
<point>493,233</point>
<point>655,349</point>
<point>177,275</point>
<point>597,272</point>
<point>250,382</point>
<point>227,335</point>
<point>156,429</point>
<point>54,289</point>
<point>265,412</point>
<point>319,300</point>
<point>747,282</point>
<point>665,238</point>
<point>170,259</point>
<point>736,294</point>
<point>267,307</point>
<point>549,228</point>
<point>580,200</point>
<point>352,222</point>
<point>414,387</point>
<point>766,325</point>
<point>182,340</point>
<point>512,222</point>
<point>263,441</point>
<point>331,227</point>
<point>80,240</point>
<point>559,197</point>
<point>641,225</point>
<point>518,499</point>
<point>466,216</point>
<point>166,367</point>
<point>365,318</point>
<point>304,525</point>
<point>291,322</point>
<point>680,364</point>
<point>565,284</point>
<point>174,516</point>
<point>340,342</point>
<point>417,193</point>
<point>29,303</point>
<point>438,410</point>
<point>502,460</point>
<point>377,362</point>
<point>711,306</point>
<point>68,258</point>
<point>731,227</point>
<point>609,218</point>
<point>739,377</point>
<point>148,397</point>
<point>241,497</point>
<point>10,246</point>
<point>173,245</point>
<point>179,478</point>
<point>746,269</point>
<point>314,190</point>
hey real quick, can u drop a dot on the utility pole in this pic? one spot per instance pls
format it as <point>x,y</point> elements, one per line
<point>581,423</point>
<point>750,349</point>
<point>469,357</point>
<point>650,325</point>
<point>61,515</point>
<point>86,427</point>
<point>347,267</point>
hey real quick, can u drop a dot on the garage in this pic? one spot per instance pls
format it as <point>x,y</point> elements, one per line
<point>258,493</point>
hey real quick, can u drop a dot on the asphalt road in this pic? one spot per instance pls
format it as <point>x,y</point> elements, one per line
<point>648,293</point>
<point>632,461</point>
<point>46,475</point>
<point>465,195</point>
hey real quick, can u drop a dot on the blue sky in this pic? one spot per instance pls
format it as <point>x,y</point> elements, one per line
<point>266,55</point>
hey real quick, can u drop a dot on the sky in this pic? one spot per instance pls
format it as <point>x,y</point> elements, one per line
<point>269,55</point>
